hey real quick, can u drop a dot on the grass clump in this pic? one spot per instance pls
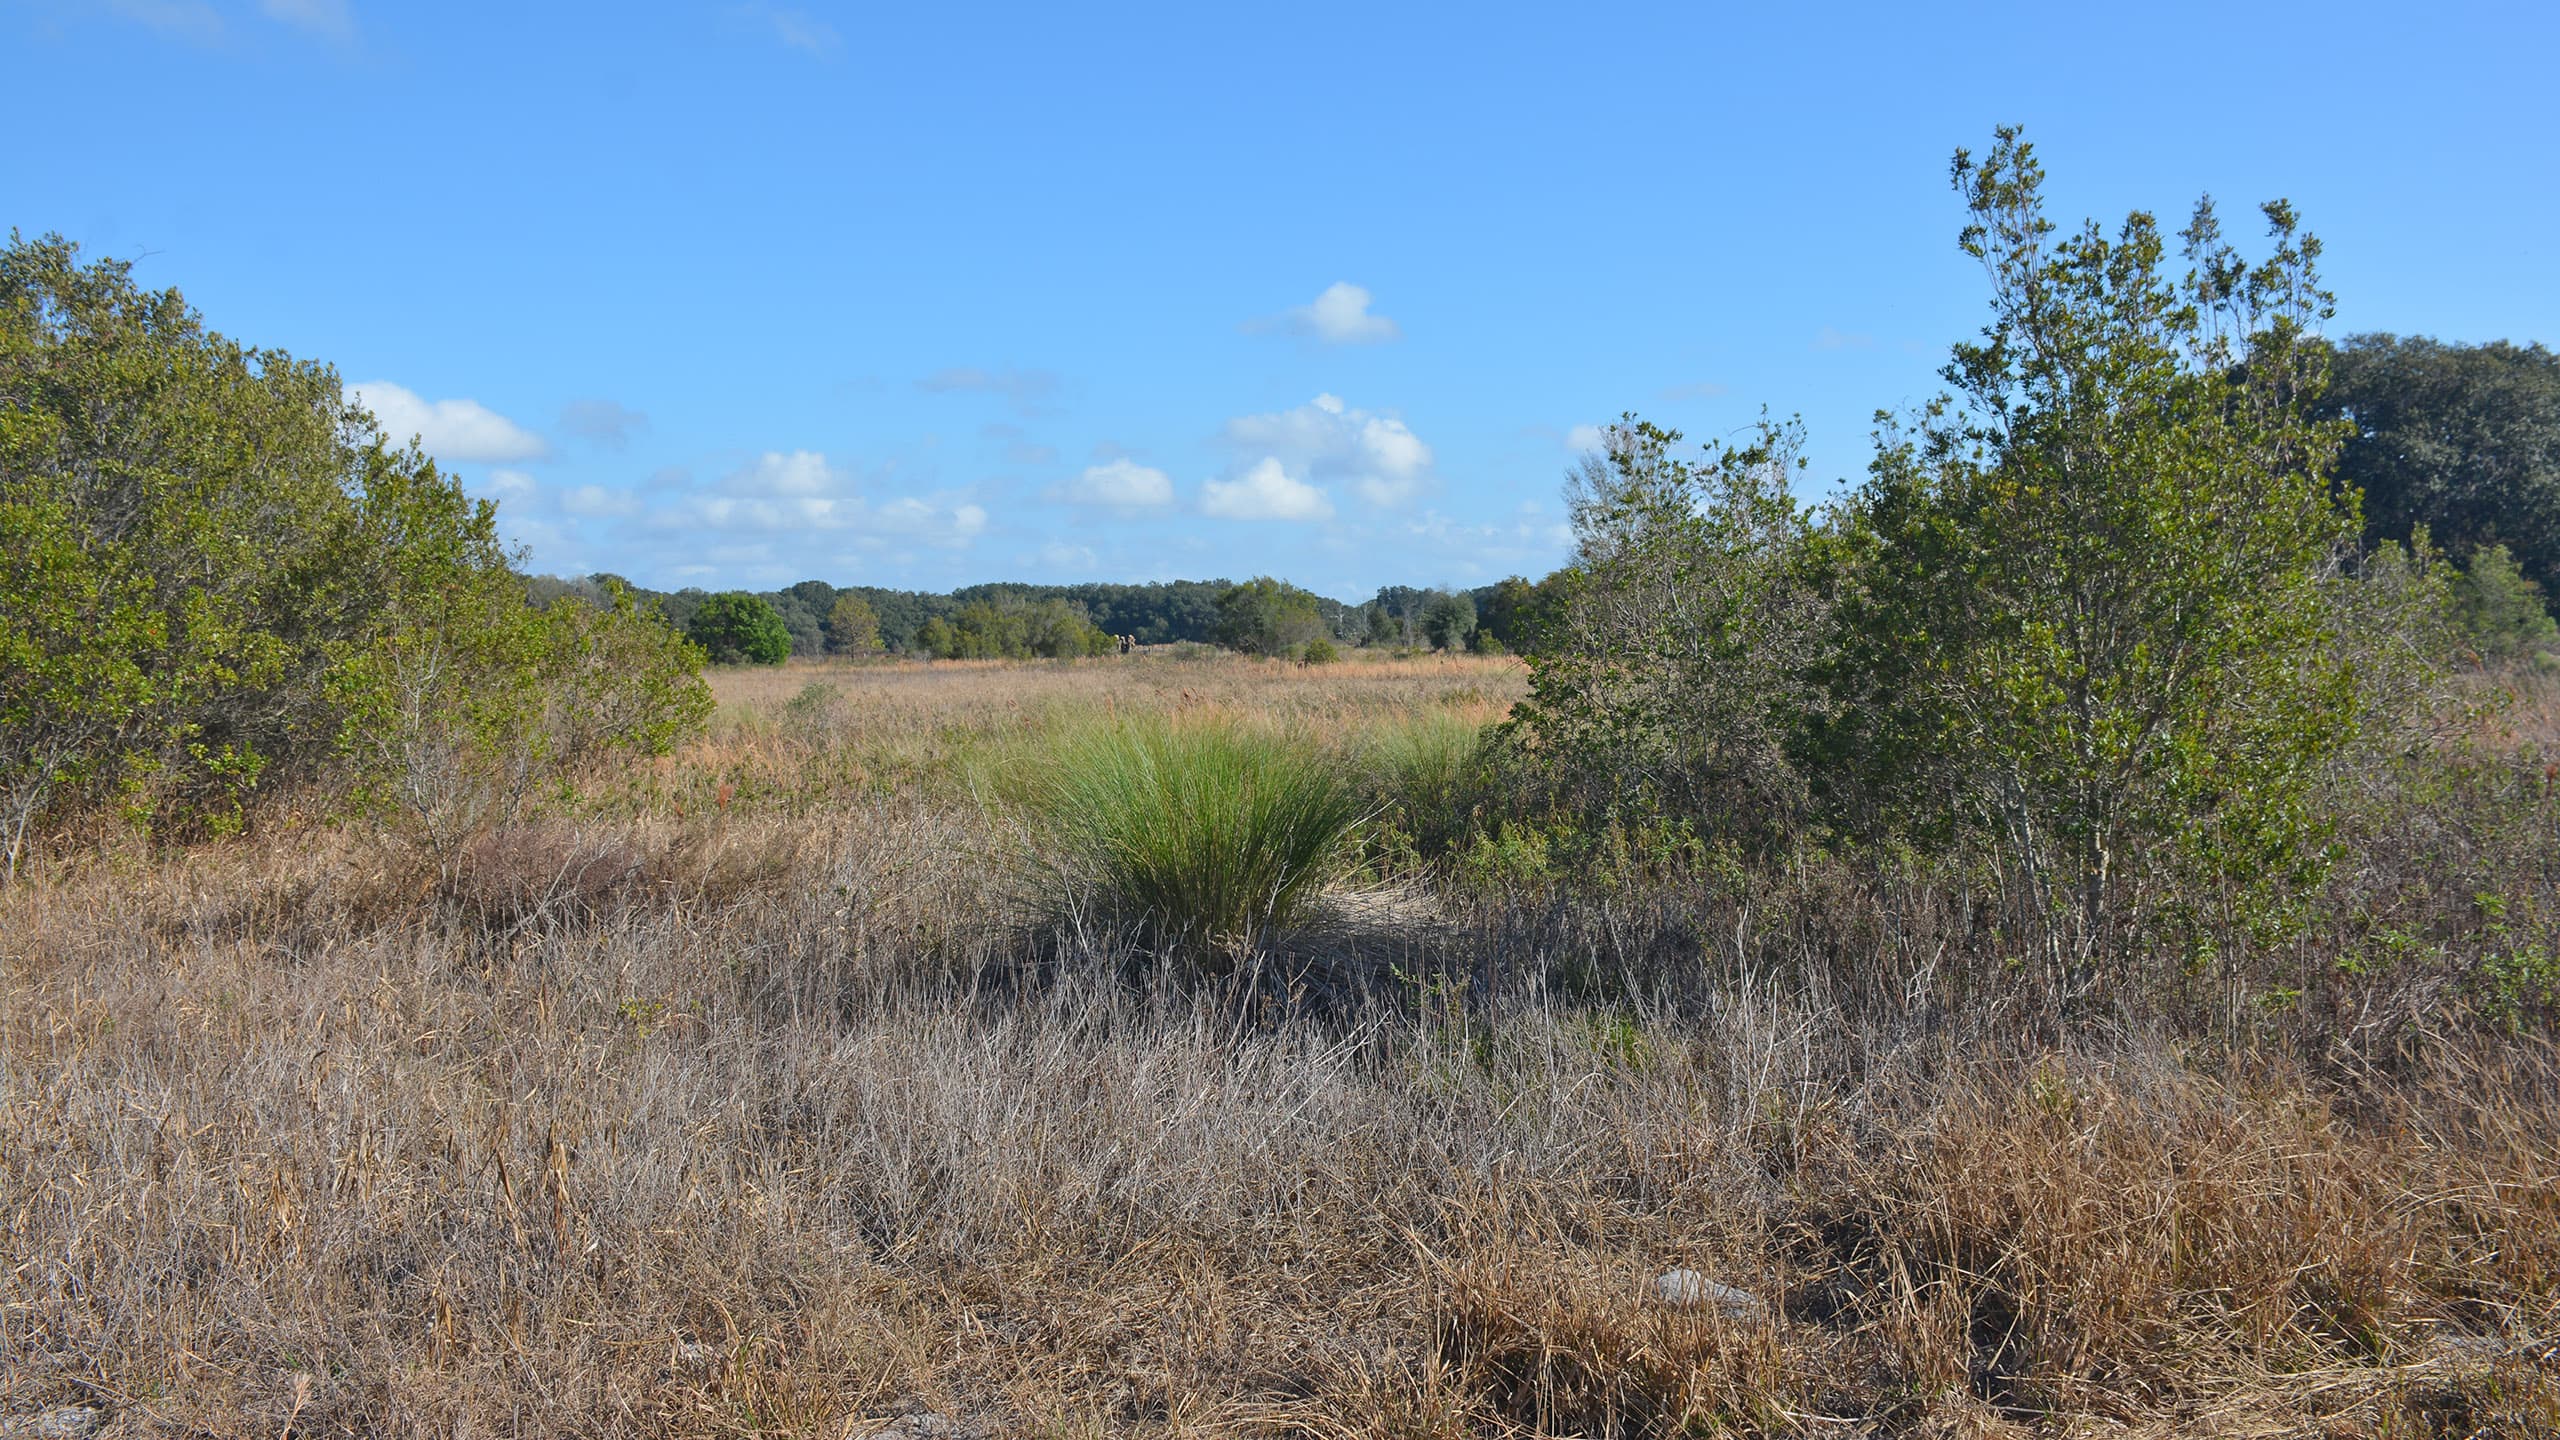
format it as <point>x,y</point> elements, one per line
<point>1208,834</point>
<point>1425,772</point>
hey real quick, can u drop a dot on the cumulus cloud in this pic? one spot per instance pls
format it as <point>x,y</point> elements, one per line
<point>330,18</point>
<point>1587,437</point>
<point>605,424</point>
<point>595,502</point>
<point>800,473</point>
<point>1265,492</point>
<point>510,485</point>
<point>799,493</point>
<point>450,430</point>
<point>1339,316</point>
<point>1024,390</point>
<point>1118,482</point>
<point>1377,455</point>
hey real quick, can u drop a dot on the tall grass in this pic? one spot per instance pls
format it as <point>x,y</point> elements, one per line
<point>1204,832</point>
<point>1424,771</point>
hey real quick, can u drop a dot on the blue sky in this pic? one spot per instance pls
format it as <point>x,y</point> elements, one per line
<point>924,295</point>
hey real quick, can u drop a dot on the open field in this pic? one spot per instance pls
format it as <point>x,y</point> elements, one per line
<point>754,1093</point>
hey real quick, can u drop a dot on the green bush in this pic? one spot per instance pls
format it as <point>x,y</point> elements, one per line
<point>218,575</point>
<point>1264,616</point>
<point>1207,835</point>
<point>2502,610</point>
<point>738,628</point>
<point>1319,651</point>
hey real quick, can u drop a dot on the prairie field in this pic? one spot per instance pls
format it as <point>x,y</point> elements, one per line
<point>791,1085</point>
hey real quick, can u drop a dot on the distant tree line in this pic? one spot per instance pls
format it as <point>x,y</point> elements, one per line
<point>1261,616</point>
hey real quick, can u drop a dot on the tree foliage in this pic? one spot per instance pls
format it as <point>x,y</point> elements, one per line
<point>1264,616</point>
<point>1674,672</point>
<point>2085,603</point>
<point>853,627</point>
<point>208,558</point>
<point>1449,621</point>
<point>737,628</point>
<point>2461,439</point>
<point>2502,611</point>
<point>1009,627</point>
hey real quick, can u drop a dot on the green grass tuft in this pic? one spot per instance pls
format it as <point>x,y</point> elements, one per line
<point>1206,832</point>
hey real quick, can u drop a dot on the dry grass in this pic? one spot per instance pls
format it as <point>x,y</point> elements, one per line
<point>761,1119</point>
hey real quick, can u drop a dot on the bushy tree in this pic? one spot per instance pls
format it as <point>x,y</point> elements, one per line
<point>205,552</point>
<point>738,628</point>
<point>2461,439</point>
<point>2502,611</point>
<point>1674,674</point>
<point>1512,613</point>
<point>2085,602</point>
<point>1007,627</point>
<point>853,627</point>
<point>1264,616</point>
<point>1449,619</point>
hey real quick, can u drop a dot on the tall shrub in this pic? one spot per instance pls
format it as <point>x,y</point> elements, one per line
<point>2085,598</point>
<point>1671,675</point>
<point>210,561</point>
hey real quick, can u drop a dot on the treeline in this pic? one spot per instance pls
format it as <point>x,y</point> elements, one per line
<point>1021,621</point>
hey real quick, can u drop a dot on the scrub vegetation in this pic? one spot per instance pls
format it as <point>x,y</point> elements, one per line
<point>2062,942</point>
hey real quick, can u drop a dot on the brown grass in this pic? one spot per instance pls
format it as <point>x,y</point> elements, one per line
<point>764,1119</point>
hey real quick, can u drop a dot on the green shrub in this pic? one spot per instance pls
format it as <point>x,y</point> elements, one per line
<point>1319,651</point>
<point>2502,610</point>
<point>219,576</point>
<point>1208,835</point>
<point>738,628</point>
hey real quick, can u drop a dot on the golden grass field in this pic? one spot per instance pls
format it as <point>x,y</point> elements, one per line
<point>741,1098</point>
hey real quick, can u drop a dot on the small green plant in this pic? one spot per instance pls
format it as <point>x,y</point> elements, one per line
<point>1207,834</point>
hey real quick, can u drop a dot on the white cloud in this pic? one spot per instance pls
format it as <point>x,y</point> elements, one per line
<point>1058,555</point>
<point>1586,437</point>
<point>1339,316</point>
<point>595,502</point>
<point>449,429</point>
<point>511,485</point>
<point>1376,454</point>
<point>321,17</point>
<point>802,472</point>
<point>1829,339</point>
<point>1118,482</point>
<point>797,494</point>
<point>1265,492</point>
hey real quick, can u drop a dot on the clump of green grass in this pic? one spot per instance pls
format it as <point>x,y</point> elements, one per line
<point>1209,834</point>
<point>1425,772</point>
